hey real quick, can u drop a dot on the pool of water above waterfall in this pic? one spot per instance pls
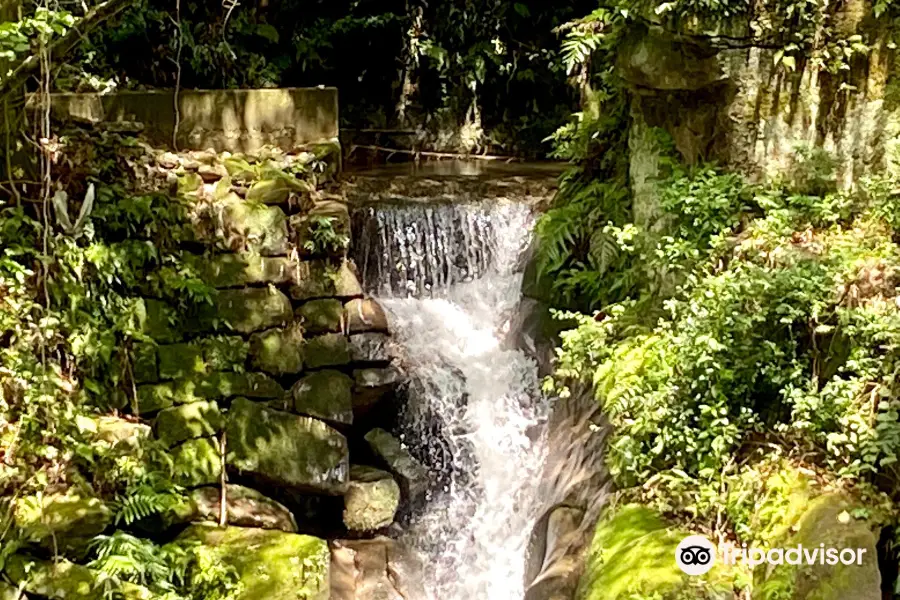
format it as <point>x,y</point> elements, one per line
<point>449,275</point>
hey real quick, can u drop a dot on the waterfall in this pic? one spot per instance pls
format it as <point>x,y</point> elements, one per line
<point>449,277</point>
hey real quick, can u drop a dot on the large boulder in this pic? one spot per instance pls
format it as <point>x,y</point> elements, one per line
<point>245,507</point>
<point>271,564</point>
<point>371,500</point>
<point>410,473</point>
<point>63,580</point>
<point>197,462</point>
<point>826,522</point>
<point>188,421</point>
<point>376,569</point>
<point>278,351</point>
<point>64,522</point>
<point>286,449</point>
<point>325,395</point>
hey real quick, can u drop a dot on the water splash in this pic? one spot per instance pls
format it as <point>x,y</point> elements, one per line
<point>474,406</point>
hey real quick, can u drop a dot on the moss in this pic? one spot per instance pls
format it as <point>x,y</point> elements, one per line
<point>215,386</point>
<point>278,351</point>
<point>237,270</point>
<point>64,580</point>
<point>180,360</point>
<point>371,500</point>
<point>224,353</point>
<point>321,316</point>
<point>633,554</point>
<point>410,473</point>
<point>319,279</point>
<point>329,350</point>
<point>272,565</point>
<point>826,521</point>
<point>66,522</point>
<point>325,394</point>
<point>294,451</point>
<point>197,462</point>
<point>243,310</point>
<point>189,421</point>
<point>158,320</point>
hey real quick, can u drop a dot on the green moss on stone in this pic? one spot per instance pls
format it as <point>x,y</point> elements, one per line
<point>319,279</point>
<point>144,363</point>
<point>189,421</point>
<point>244,310</point>
<point>180,360</point>
<point>321,316</point>
<point>225,353</point>
<point>158,320</point>
<point>294,451</point>
<point>256,227</point>
<point>329,350</point>
<point>272,565</point>
<point>215,386</point>
<point>242,269</point>
<point>63,580</point>
<point>197,462</point>
<point>66,522</point>
<point>278,351</point>
<point>410,473</point>
<point>326,395</point>
<point>633,556</point>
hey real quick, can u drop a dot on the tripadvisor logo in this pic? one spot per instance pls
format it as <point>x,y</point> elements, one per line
<point>696,555</point>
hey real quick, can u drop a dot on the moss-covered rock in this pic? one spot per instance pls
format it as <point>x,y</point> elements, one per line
<point>159,321</point>
<point>294,451</point>
<point>272,565</point>
<point>188,421</point>
<point>244,310</point>
<point>197,462</point>
<point>215,386</point>
<point>255,227</point>
<point>325,395</point>
<point>278,351</point>
<point>410,473</point>
<point>241,269</point>
<point>63,580</point>
<point>371,500</point>
<point>245,506</point>
<point>66,522</point>
<point>827,523</point>
<point>320,279</point>
<point>116,430</point>
<point>329,350</point>
<point>302,225</point>
<point>180,360</point>
<point>224,352</point>
<point>633,555</point>
<point>321,316</point>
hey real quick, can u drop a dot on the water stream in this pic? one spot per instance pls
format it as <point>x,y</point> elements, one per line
<point>449,276</point>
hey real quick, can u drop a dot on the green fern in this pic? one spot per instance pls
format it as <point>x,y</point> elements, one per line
<point>145,501</point>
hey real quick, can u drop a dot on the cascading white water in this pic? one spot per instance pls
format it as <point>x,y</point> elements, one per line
<point>447,274</point>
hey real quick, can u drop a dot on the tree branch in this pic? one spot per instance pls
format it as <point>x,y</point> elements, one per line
<point>61,47</point>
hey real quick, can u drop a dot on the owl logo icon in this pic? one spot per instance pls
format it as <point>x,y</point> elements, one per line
<point>695,555</point>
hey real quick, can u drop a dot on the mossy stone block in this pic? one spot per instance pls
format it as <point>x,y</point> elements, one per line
<point>320,279</point>
<point>245,507</point>
<point>67,521</point>
<point>256,227</point>
<point>159,321</point>
<point>321,316</point>
<point>177,361</point>
<point>242,269</point>
<point>371,500</point>
<point>245,311</point>
<point>286,449</point>
<point>329,350</point>
<point>278,351</point>
<point>63,580</point>
<point>364,315</point>
<point>410,473</point>
<point>326,395</point>
<point>188,421</point>
<point>197,462</point>
<point>271,565</point>
<point>225,353</point>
